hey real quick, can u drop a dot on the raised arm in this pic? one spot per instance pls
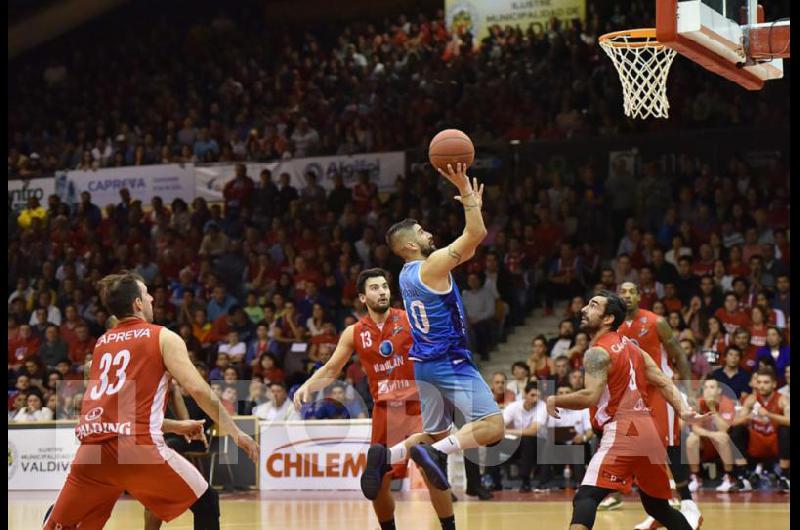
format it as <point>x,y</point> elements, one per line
<point>326,374</point>
<point>595,362</point>
<point>676,353</point>
<point>435,269</point>
<point>176,360</point>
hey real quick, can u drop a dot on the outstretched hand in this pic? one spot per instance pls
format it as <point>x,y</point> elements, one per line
<point>470,194</point>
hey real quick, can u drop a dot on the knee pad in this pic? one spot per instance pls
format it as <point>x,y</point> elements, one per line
<point>584,505</point>
<point>206,507</point>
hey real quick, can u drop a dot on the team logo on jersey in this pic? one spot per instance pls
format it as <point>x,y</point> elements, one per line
<point>386,348</point>
<point>643,332</point>
<point>94,414</point>
<point>397,330</point>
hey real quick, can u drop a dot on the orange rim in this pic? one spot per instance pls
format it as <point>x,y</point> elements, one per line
<point>635,38</point>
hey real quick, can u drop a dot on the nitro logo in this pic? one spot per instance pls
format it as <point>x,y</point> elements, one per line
<point>121,336</point>
<point>386,348</point>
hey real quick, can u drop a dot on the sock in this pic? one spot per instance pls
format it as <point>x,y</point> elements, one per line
<point>448,523</point>
<point>397,454</point>
<point>388,525</point>
<point>448,445</point>
<point>684,493</point>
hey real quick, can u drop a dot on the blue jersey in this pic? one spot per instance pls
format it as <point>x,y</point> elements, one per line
<point>437,317</point>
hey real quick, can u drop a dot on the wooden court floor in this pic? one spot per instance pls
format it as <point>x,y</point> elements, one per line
<point>348,511</point>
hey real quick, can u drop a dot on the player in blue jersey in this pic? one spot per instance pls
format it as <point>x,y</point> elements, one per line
<point>444,371</point>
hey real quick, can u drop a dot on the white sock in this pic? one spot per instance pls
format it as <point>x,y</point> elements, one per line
<point>398,453</point>
<point>448,445</point>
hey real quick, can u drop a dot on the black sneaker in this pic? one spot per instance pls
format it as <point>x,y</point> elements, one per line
<point>480,492</point>
<point>783,484</point>
<point>376,468</point>
<point>427,459</point>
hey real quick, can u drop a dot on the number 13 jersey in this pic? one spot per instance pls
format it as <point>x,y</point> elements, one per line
<point>126,394</point>
<point>437,318</point>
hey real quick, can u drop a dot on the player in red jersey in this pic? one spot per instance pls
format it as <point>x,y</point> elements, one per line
<point>653,334</point>
<point>618,375</point>
<point>120,429</point>
<point>382,340</point>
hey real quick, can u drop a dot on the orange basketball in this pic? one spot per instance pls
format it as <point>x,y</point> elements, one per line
<point>450,147</point>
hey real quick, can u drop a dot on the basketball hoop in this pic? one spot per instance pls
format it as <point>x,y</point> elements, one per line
<point>643,65</point>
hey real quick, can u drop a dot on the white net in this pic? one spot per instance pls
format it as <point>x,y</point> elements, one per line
<point>643,66</point>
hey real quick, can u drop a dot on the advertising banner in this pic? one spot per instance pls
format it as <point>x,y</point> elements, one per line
<point>478,16</point>
<point>168,181</point>
<point>21,190</point>
<point>313,455</point>
<point>39,458</point>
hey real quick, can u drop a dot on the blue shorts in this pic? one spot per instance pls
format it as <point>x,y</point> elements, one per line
<point>452,390</point>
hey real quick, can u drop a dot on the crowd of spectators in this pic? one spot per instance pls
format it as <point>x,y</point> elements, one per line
<point>200,87</point>
<point>260,286</point>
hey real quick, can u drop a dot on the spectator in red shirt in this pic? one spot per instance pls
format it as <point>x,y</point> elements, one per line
<point>649,288</point>
<point>239,191</point>
<point>502,395</point>
<point>758,327</point>
<point>731,316</point>
<point>671,301</point>
<point>705,263</point>
<point>363,192</point>
<point>81,345</point>
<point>741,339</point>
<point>23,347</point>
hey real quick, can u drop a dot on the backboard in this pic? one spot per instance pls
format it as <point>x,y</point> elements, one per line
<point>727,37</point>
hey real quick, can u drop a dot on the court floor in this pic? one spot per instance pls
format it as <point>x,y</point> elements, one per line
<point>348,511</point>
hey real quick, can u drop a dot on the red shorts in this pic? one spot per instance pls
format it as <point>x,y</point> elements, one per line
<point>762,447</point>
<point>393,422</point>
<point>158,477</point>
<point>630,450</point>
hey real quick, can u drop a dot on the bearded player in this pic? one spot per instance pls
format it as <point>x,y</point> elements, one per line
<point>618,376</point>
<point>382,339</point>
<point>653,334</point>
<point>449,383</point>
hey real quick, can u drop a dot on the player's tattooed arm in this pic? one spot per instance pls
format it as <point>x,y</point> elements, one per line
<point>453,253</point>
<point>595,362</point>
<point>674,348</point>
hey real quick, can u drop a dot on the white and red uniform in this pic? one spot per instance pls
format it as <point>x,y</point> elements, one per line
<point>643,331</point>
<point>762,443</point>
<point>630,448</point>
<point>122,445</point>
<point>383,353</point>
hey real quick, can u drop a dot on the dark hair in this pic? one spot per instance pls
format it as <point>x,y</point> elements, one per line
<point>564,385</point>
<point>278,383</point>
<point>405,224</point>
<point>119,291</point>
<point>733,348</point>
<point>766,370</point>
<point>615,307</point>
<point>520,364</point>
<point>365,275</point>
<point>532,385</point>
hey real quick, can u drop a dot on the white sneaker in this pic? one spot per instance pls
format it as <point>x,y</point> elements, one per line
<point>691,512</point>
<point>727,485</point>
<point>694,483</point>
<point>612,502</point>
<point>648,524</point>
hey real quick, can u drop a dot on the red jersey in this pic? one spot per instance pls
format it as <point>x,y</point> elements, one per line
<point>625,395</point>
<point>763,435</point>
<point>383,353</point>
<point>731,321</point>
<point>126,394</point>
<point>643,331</point>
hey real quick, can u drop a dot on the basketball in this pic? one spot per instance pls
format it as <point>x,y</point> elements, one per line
<point>450,146</point>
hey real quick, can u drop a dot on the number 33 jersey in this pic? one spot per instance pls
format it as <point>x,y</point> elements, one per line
<point>126,394</point>
<point>437,318</point>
